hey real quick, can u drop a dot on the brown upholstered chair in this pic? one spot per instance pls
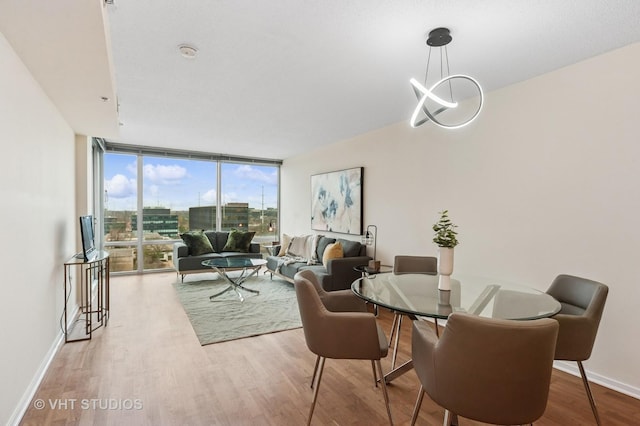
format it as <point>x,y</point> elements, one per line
<point>334,301</point>
<point>339,335</point>
<point>409,265</point>
<point>485,369</point>
<point>582,303</point>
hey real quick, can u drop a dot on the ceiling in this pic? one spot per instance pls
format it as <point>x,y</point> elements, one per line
<point>272,79</point>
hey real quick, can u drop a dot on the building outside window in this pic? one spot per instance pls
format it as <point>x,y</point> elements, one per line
<point>177,194</point>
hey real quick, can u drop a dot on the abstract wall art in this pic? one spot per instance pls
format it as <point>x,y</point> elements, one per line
<point>336,201</point>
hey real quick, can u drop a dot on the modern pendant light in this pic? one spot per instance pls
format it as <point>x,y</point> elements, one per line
<point>432,100</point>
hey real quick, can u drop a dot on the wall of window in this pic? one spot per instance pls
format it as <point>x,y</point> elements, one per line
<point>150,199</point>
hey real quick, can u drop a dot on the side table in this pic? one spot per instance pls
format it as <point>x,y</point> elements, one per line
<point>92,281</point>
<point>271,248</point>
<point>365,271</point>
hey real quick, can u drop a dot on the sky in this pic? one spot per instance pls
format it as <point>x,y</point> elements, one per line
<point>181,183</point>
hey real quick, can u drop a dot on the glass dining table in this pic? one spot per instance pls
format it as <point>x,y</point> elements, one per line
<point>418,296</point>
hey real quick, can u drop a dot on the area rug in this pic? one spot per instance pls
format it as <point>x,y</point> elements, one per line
<point>227,318</point>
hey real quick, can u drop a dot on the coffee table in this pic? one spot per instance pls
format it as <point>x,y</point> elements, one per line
<point>249,267</point>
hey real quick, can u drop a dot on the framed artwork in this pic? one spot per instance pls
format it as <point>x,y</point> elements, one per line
<point>336,201</point>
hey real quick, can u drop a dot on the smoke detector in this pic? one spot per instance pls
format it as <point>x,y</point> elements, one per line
<point>187,51</point>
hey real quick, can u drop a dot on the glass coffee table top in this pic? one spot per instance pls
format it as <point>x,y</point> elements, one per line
<point>234,262</point>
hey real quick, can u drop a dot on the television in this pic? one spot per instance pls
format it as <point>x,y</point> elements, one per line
<point>88,241</point>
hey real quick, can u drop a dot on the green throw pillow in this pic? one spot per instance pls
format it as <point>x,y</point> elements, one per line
<point>197,242</point>
<point>239,241</point>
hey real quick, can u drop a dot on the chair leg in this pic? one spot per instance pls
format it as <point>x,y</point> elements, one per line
<point>375,375</point>
<point>416,408</point>
<point>587,388</point>
<point>315,370</point>
<point>393,328</point>
<point>384,391</point>
<point>395,345</point>
<point>448,418</point>
<point>315,390</point>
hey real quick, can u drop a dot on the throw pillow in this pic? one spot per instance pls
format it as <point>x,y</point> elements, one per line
<point>323,242</point>
<point>333,251</point>
<point>350,248</point>
<point>239,241</point>
<point>298,246</point>
<point>304,247</point>
<point>284,244</point>
<point>197,242</point>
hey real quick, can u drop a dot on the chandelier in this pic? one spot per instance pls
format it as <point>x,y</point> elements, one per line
<point>436,103</point>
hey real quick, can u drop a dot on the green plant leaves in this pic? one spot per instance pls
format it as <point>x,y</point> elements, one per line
<point>445,234</point>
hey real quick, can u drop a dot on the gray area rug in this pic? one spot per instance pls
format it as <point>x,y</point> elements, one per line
<point>227,318</point>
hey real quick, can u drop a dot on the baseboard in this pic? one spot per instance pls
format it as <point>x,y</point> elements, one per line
<point>572,368</point>
<point>23,405</point>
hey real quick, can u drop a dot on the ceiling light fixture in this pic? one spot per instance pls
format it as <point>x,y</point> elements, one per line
<point>187,51</point>
<point>433,98</point>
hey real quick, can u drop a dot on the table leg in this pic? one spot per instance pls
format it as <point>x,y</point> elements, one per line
<point>397,372</point>
<point>234,285</point>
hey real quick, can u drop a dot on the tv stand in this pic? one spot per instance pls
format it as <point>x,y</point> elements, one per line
<point>92,286</point>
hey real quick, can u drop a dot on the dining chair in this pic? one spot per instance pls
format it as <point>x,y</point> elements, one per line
<point>409,265</point>
<point>485,369</point>
<point>582,302</point>
<point>339,335</point>
<point>334,301</point>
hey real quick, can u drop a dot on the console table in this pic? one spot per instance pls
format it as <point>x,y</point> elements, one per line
<point>92,292</point>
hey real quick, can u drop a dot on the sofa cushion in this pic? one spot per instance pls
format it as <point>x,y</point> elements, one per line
<point>350,248</point>
<point>239,241</point>
<point>194,263</point>
<point>291,269</point>
<point>211,235</point>
<point>284,244</point>
<point>323,242</point>
<point>197,242</point>
<point>333,251</point>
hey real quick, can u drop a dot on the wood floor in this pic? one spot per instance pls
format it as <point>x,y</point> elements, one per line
<point>147,368</point>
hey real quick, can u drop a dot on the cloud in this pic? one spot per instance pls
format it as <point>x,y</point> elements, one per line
<point>163,174</point>
<point>249,172</point>
<point>120,186</point>
<point>232,197</point>
<point>154,190</point>
<point>209,196</point>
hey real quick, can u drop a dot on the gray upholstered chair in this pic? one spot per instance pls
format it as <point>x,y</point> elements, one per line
<point>409,265</point>
<point>334,301</point>
<point>339,335</point>
<point>485,369</point>
<point>582,303</point>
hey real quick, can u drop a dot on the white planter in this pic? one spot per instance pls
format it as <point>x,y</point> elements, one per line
<point>445,267</point>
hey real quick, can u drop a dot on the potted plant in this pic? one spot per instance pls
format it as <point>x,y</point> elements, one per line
<point>446,239</point>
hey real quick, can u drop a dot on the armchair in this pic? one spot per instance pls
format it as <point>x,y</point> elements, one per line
<point>339,335</point>
<point>470,373</point>
<point>582,303</point>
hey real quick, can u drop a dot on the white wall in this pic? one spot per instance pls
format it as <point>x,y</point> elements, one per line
<point>37,196</point>
<point>546,181</point>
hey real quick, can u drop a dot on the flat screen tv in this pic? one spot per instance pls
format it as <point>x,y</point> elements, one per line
<point>88,241</point>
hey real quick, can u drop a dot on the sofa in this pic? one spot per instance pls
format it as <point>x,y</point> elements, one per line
<point>336,274</point>
<point>202,245</point>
